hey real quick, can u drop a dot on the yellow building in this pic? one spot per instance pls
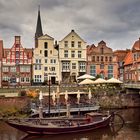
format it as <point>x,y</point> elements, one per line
<point>45,61</point>
<point>45,58</point>
<point>72,57</point>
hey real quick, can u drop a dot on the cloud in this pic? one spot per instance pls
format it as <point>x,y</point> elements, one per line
<point>116,22</point>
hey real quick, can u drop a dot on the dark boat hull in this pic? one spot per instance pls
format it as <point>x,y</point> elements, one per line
<point>39,129</point>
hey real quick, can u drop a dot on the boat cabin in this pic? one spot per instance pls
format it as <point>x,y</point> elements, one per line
<point>94,116</point>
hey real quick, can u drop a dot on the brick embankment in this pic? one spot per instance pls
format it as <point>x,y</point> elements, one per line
<point>13,105</point>
<point>120,101</point>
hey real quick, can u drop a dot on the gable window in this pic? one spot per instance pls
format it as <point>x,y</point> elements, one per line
<point>106,58</point>
<point>79,54</point>
<point>72,43</point>
<point>66,53</point>
<point>110,59</point>
<point>79,44</point>
<point>66,43</point>
<point>46,61</point>
<point>102,58</point>
<point>46,45</point>
<point>46,53</point>
<point>72,54</point>
<point>97,58</point>
<point>17,54</point>
<point>93,58</point>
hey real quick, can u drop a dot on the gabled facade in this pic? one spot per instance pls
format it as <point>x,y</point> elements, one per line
<point>45,61</point>
<point>72,57</point>
<point>121,54</point>
<point>17,64</point>
<point>132,64</point>
<point>101,61</point>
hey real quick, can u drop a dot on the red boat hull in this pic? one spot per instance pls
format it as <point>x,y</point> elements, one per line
<point>42,129</point>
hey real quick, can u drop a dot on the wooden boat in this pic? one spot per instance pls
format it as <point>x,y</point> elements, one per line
<point>61,125</point>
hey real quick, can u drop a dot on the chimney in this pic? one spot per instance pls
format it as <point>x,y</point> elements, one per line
<point>1,49</point>
<point>17,40</point>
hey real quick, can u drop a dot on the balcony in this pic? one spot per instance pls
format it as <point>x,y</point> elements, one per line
<point>65,70</point>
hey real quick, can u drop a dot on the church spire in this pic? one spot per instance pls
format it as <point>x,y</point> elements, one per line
<point>39,31</point>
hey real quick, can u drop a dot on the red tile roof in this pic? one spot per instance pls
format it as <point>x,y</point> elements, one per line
<point>136,45</point>
<point>128,59</point>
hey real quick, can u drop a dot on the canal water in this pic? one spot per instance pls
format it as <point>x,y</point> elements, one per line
<point>129,131</point>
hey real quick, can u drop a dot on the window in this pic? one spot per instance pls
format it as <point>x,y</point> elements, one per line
<point>37,78</point>
<point>5,69</point>
<point>82,66</point>
<point>65,43</point>
<point>72,54</point>
<point>37,67</point>
<point>38,61</point>
<point>22,79</point>
<point>79,54</point>
<point>52,69</point>
<point>79,44</point>
<point>46,45</point>
<point>66,53</point>
<point>53,61</point>
<point>6,78</point>
<point>24,68</point>
<point>93,70</point>
<point>102,50</point>
<point>45,68</point>
<point>65,65</point>
<point>17,54</point>
<point>93,58</point>
<point>98,58</point>
<point>73,65</point>
<point>13,69</point>
<point>106,58</point>
<point>27,79</point>
<point>17,61</point>
<point>101,66</point>
<point>110,71</point>
<point>40,51</point>
<point>72,43</point>
<point>102,58</point>
<point>46,60</point>
<point>50,51</point>
<point>110,59</point>
<point>46,53</point>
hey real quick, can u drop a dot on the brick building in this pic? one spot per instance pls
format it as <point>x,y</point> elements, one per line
<point>16,64</point>
<point>101,61</point>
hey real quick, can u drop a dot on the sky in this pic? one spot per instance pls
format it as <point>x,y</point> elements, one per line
<point>117,22</point>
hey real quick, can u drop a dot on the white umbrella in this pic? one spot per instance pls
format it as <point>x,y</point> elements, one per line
<point>114,80</point>
<point>86,82</point>
<point>40,95</point>
<point>66,96</point>
<point>99,81</point>
<point>78,97</point>
<point>85,76</point>
<point>89,94</point>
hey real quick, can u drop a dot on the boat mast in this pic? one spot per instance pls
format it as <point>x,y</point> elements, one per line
<point>49,99</point>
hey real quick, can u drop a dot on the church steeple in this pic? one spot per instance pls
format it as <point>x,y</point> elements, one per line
<point>39,31</point>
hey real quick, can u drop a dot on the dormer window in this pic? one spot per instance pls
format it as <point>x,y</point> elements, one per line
<point>17,54</point>
<point>46,45</point>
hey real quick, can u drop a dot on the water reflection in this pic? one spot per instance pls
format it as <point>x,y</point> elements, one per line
<point>130,131</point>
<point>99,134</point>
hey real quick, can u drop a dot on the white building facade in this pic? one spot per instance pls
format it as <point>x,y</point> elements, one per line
<point>72,57</point>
